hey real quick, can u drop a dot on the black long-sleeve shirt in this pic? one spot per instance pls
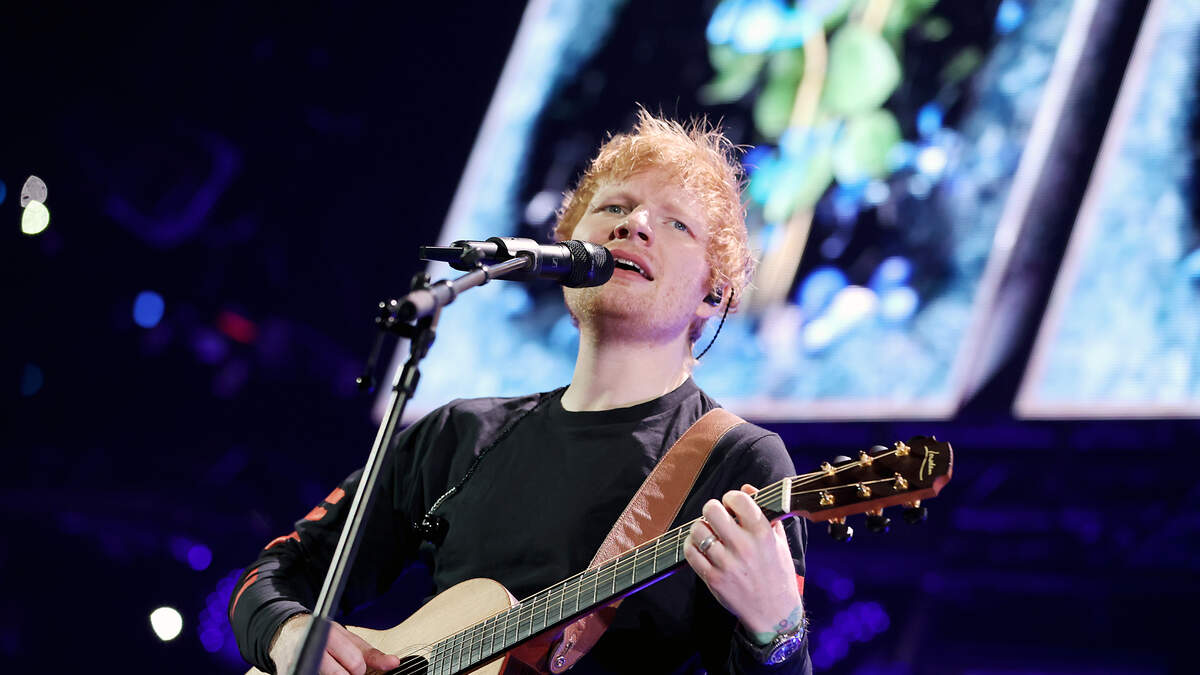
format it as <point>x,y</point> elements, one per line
<point>533,513</point>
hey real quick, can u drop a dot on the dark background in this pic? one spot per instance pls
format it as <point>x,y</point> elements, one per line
<point>270,171</point>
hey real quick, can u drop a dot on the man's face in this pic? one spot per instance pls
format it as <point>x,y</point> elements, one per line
<point>658,234</point>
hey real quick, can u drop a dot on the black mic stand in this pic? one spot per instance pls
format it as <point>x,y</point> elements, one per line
<point>422,307</point>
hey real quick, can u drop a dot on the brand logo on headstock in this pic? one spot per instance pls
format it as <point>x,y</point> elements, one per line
<point>927,463</point>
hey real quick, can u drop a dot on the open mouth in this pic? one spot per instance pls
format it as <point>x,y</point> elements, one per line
<point>626,264</point>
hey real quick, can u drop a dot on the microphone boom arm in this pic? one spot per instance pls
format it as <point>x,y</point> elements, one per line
<point>396,314</point>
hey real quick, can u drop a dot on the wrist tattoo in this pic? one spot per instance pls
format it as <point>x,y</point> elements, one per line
<point>785,625</point>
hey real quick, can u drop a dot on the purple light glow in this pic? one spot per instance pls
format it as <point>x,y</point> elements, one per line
<point>842,588</point>
<point>212,639</point>
<point>210,346</point>
<point>199,557</point>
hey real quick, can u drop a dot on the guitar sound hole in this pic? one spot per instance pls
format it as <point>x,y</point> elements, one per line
<point>410,665</point>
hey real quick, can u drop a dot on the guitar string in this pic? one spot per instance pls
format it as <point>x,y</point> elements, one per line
<point>480,632</point>
<point>572,588</point>
<point>475,635</point>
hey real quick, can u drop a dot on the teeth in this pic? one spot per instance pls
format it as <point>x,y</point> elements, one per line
<point>622,262</point>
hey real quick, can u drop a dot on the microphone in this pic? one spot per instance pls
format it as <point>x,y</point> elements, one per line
<point>572,263</point>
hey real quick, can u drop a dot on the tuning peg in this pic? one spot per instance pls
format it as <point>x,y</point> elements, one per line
<point>878,523</point>
<point>878,448</point>
<point>914,513</point>
<point>839,530</point>
<point>840,460</point>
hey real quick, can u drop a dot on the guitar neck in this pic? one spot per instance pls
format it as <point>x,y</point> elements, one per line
<point>901,474</point>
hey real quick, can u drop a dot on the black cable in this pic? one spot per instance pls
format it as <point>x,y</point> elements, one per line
<point>714,337</point>
<point>433,528</point>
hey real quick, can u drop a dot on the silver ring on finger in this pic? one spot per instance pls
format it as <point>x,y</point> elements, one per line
<point>706,543</point>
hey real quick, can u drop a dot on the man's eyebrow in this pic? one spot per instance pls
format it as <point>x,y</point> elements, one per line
<point>612,193</point>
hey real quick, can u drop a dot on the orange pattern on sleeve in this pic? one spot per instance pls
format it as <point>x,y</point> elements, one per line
<point>279,540</point>
<point>253,577</point>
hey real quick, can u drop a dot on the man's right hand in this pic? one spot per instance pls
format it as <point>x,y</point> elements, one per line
<point>345,652</point>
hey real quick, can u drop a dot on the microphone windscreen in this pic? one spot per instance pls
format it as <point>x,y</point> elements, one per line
<point>591,264</point>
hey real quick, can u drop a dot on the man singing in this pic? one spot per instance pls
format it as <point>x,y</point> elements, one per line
<point>543,477</point>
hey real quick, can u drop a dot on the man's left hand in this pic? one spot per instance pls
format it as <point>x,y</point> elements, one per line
<point>746,564</point>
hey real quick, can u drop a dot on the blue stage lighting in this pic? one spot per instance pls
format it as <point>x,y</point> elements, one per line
<point>818,289</point>
<point>929,119</point>
<point>148,309</point>
<point>31,380</point>
<point>199,557</point>
<point>1009,16</point>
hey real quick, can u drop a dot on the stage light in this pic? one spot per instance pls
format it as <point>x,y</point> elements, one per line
<point>893,271</point>
<point>211,639</point>
<point>897,305</point>
<point>3,191</point>
<point>237,327</point>
<point>35,218</point>
<point>931,161</point>
<point>919,185</point>
<point>148,309</point>
<point>1009,16</point>
<point>31,380</point>
<point>720,25</point>
<point>842,588</point>
<point>877,192</point>
<point>757,26</point>
<point>199,557</point>
<point>209,345</point>
<point>901,156</point>
<point>166,622</point>
<point>929,119</point>
<point>818,289</point>
<point>849,307</point>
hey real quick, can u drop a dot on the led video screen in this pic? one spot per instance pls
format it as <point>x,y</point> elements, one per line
<point>885,144</point>
<point>1121,337</point>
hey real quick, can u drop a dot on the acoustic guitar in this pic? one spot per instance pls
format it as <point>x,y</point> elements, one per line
<point>477,626</point>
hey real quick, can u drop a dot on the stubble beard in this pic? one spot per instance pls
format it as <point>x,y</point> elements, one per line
<point>644,315</point>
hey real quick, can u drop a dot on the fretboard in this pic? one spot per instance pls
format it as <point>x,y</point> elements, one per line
<point>575,596</point>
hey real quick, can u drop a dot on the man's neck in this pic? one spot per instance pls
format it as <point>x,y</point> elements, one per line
<point>617,374</point>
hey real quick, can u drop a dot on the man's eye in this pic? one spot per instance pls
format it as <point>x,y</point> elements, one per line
<point>615,209</point>
<point>680,226</point>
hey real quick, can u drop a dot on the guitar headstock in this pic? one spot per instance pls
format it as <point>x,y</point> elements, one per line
<point>905,473</point>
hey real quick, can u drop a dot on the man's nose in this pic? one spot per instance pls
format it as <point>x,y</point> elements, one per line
<point>635,226</point>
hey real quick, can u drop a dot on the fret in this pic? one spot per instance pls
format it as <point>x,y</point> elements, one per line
<point>643,569</point>
<point>538,610</point>
<point>521,632</point>
<point>490,627</point>
<point>454,654</point>
<point>562,596</point>
<point>524,617</point>
<point>570,604</point>
<point>595,584</point>
<point>510,629</point>
<point>477,643</point>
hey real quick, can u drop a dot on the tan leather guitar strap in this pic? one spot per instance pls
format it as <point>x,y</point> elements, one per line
<point>648,515</point>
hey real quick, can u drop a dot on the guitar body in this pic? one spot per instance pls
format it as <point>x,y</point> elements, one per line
<point>459,607</point>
